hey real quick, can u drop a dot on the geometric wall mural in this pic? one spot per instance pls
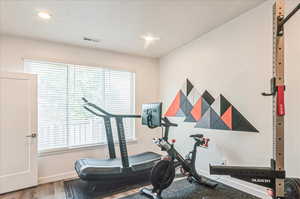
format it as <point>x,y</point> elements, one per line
<point>206,111</point>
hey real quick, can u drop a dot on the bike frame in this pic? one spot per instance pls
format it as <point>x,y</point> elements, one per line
<point>176,159</point>
<point>187,164</point>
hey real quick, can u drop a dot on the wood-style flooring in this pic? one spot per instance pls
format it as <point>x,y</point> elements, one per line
<point>46,191</point>
<point>53,190</point>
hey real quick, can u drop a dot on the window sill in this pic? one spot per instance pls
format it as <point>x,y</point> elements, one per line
<point>60,151</point>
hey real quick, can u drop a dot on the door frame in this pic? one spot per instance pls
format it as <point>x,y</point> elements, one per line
<point>11,182</point>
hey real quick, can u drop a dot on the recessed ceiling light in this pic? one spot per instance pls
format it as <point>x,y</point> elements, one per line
<point>44,15</point>
<point>149,39</point>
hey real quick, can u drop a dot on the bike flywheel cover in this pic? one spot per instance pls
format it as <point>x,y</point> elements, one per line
<point>163,174</point>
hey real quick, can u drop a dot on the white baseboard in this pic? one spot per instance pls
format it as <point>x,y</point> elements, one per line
<point>58,177</point>
<point>252,189</point>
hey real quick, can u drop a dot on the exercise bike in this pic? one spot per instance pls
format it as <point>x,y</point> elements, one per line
<point>163,173</point>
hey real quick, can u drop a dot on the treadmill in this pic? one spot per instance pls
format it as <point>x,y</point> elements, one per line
<point>126,170</point>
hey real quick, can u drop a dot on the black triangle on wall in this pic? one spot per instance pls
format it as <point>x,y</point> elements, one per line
<point>225,104</point>
<point>208,97</point>
<point>189,87</point>
<point>240,123</point>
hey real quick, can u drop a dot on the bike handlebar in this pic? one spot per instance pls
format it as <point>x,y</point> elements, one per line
<point>167,122</point>
<point>173,124</point>
<point>106,114</point>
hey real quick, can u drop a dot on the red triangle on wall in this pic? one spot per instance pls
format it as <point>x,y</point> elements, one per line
<point>196,111</point>
<point>175,106</point>
<point>227,117</point>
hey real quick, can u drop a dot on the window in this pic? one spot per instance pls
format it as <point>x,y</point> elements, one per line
<point>62,121</point>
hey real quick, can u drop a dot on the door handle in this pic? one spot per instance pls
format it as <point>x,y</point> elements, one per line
<point>33,135</point>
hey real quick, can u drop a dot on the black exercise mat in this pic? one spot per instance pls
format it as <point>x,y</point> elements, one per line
<point>182,189</point>
<point>79,189</point>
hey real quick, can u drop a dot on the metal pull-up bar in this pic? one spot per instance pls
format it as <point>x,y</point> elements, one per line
<point>283,21</point>
<point>289,15</point>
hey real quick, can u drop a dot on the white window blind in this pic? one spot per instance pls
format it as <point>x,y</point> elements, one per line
<point>63,122</point>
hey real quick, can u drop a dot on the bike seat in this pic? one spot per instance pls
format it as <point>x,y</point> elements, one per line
<point>197,136</point>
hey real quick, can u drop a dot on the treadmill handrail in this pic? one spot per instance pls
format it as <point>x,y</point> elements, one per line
<point>108,130</point>
<point>106,114</point>
<point>93,112</point>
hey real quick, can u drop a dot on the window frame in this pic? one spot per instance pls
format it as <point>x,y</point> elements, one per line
<point>103,144</point>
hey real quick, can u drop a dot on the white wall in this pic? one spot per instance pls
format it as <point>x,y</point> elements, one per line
<point>236,61</point>
<point>13,50</point>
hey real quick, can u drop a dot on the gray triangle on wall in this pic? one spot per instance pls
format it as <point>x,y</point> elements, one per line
<point>189,118</point>
<point>204,122</point>
<point>216,121</point>
<point>185,105</point>
<point>180,113</point>
<point>204,107</point>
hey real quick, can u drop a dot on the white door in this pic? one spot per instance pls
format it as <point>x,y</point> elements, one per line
<point>18,127</point>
